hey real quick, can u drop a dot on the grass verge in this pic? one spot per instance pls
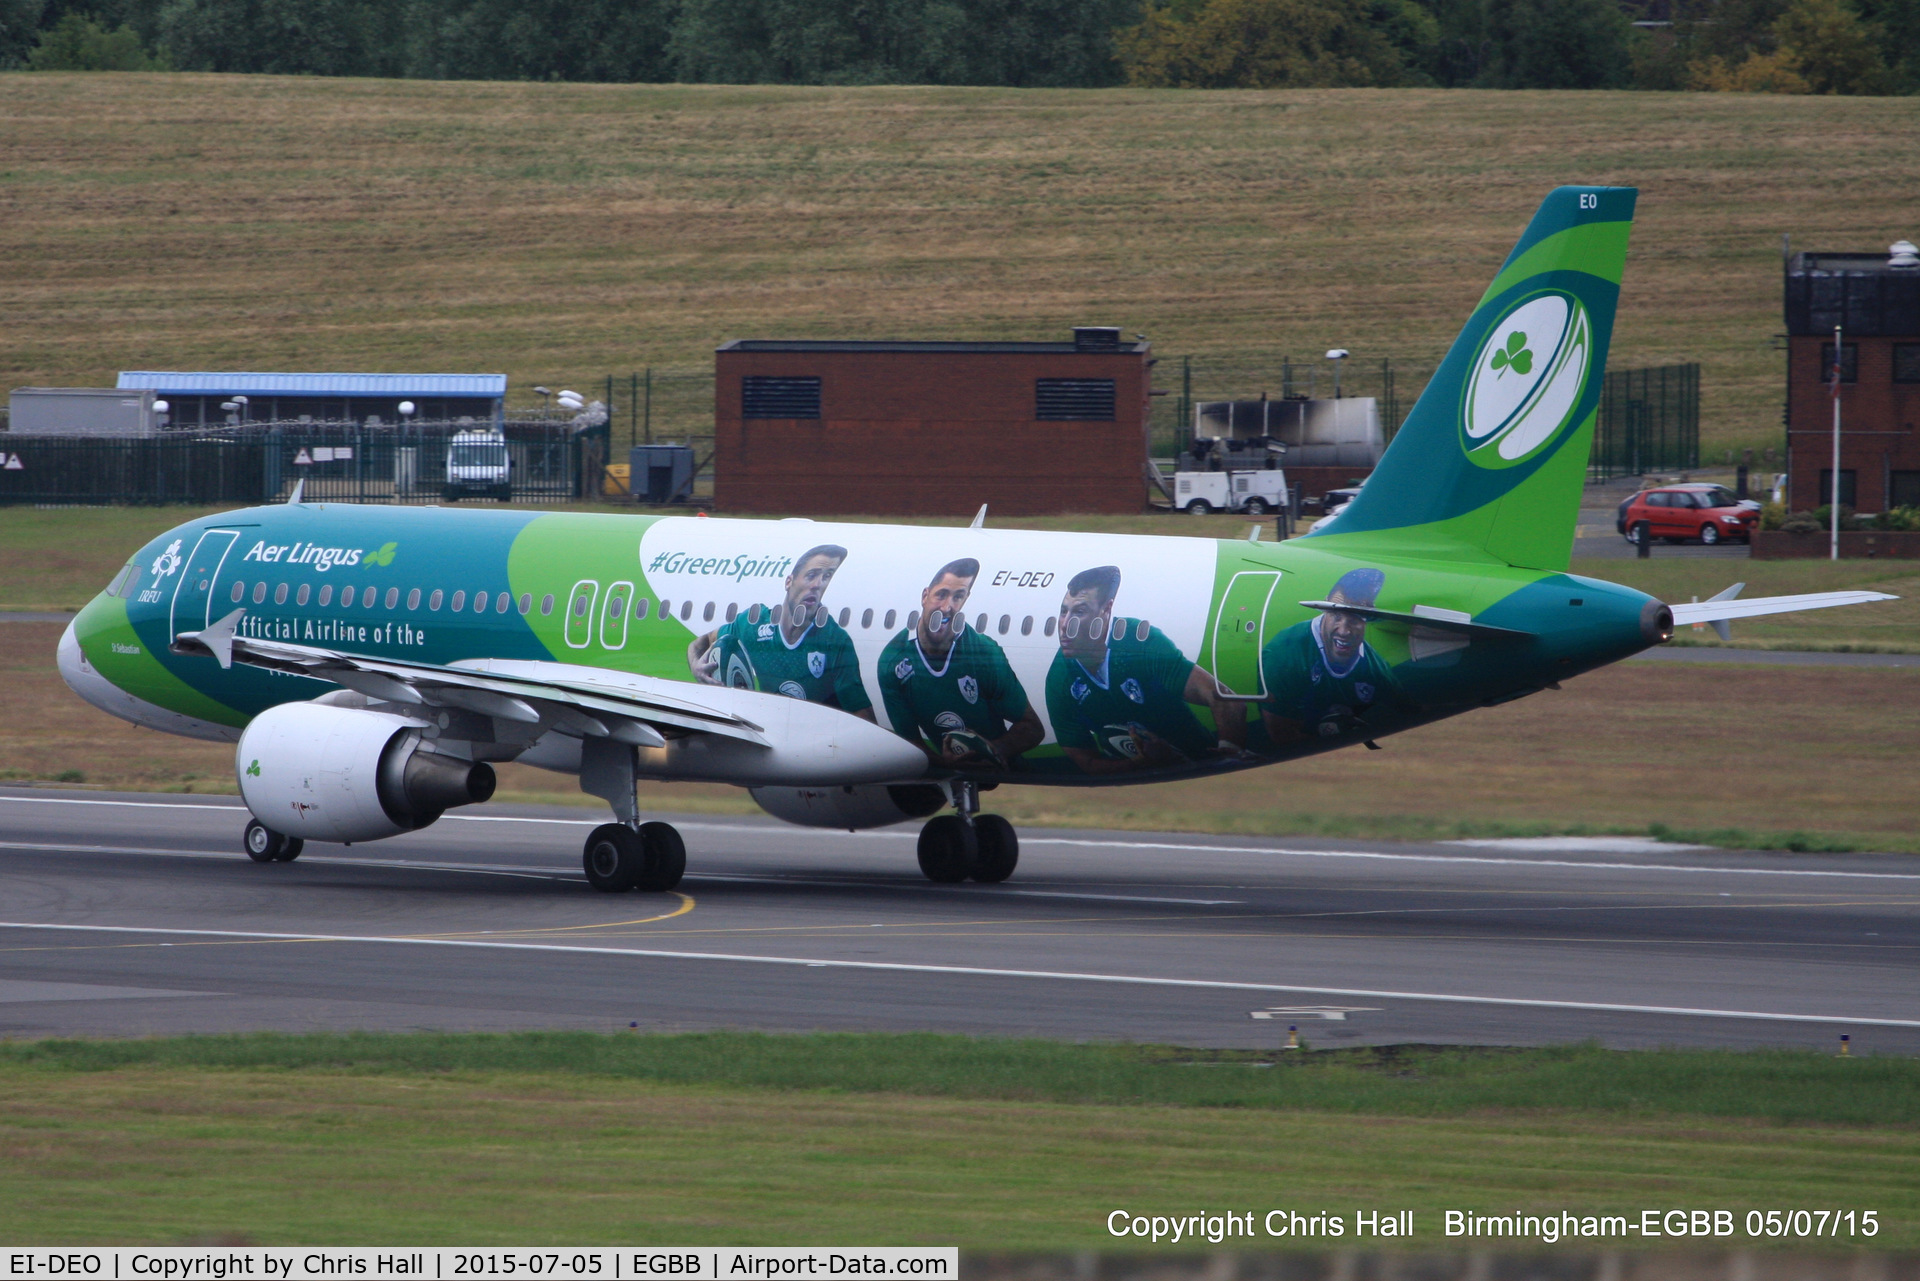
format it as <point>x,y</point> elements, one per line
<point>568,1137</point>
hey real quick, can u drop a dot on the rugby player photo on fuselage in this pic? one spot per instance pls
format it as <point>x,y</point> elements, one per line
<point>795,648</point>
<point>948,687</point>
<point>1323,680</point>
<point>1119,691</point>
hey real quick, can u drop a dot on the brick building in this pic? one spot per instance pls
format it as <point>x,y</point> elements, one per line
<point>1875,299</point>
<point>816,428</point>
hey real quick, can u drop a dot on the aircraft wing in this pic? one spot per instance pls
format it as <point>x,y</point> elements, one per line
<point>1724,608</point>
<point>590,702</point>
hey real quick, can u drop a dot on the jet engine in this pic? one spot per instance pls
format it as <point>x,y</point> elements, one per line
<point>873,805</point>
<point>346,774</point>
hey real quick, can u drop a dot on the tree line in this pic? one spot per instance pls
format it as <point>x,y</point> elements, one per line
<point>1778,46</point>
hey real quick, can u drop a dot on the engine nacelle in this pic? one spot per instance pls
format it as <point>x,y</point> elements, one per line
<point>871,805</point>
<point>345,774</point>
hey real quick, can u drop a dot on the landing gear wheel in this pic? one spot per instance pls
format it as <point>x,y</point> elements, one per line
<point>1709,534</point>
<point>666,858</point>
<point>1256,507</point>
<point>999,849</point>
<point>264,845</point>
<point>1199,507</point>
<point>615,858</point>
<point>948,849</point>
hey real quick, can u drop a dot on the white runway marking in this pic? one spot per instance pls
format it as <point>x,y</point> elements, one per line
<point>985,972</point>
<point>1188,847</point>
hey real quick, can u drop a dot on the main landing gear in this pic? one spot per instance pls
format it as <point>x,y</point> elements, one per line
<point>264,845</point>
<point>651,857</point>
<point>968,845</point>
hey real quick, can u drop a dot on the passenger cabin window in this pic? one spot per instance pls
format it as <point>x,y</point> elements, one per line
<point>686,610</point>
<point>503,602</point>
<point>526,602</point>
<point>887,622</point>
<point>259,592</point>
<point>1048,629</point>
<point>1006,623</point>
<point>640,607</point>
<point>706,615</point>
<point>393,597</point>
<point>436,600</point>
<point>459,601</point>
<point>1141,630</point>
<point>546,604</point>
<point>1026,625</point>
<point>846,613</point>
<point>866,618</point>
<point>733,612</point>
<point>326,593</point>
<point>306,590</point>
<point>239,590</point>
<point>413,599</point>
<point>280,594</point>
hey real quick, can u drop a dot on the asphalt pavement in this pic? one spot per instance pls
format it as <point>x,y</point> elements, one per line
<point>138,914</point>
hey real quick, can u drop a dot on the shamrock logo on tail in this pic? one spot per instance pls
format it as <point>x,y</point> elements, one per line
<point>253,770</point>
<point>1514,356</point>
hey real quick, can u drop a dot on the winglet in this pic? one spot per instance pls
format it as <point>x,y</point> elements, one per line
<point>299,487</point>
<point>215,640</point>
<point>979,518</point>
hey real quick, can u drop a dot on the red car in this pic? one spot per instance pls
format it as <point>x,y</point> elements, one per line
<point>1676,513</point>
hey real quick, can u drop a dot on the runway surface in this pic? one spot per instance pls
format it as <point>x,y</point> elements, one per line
<point>137,914</point>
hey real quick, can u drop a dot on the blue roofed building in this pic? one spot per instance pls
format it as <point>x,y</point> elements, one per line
<point>195,398</point>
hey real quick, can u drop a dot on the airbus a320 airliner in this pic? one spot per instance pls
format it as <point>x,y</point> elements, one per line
<point>371,662</point>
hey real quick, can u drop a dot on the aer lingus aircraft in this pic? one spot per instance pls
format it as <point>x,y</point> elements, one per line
<point>370,662</point>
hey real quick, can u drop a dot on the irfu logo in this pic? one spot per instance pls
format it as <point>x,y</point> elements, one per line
<point>1514,356</point>
<point>384,556</point>
<point>253,770</point>
<point>1527,380</point>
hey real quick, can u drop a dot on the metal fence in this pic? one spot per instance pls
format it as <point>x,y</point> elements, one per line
<point>550,461</point>
<point>1649,422</point>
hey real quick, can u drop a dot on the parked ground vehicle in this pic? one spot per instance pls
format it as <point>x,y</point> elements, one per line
<point>478,466</point>
<point>1255,492</point>
<point>1677,513</point>
<point>1331,502</point>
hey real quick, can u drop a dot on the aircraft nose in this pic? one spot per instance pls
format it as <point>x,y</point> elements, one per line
<point>72,662</point>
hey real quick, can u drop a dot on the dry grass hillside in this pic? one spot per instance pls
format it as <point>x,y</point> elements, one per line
<point>561,232</point>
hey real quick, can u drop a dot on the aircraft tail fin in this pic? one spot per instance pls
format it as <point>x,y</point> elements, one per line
<point>1492,458</point>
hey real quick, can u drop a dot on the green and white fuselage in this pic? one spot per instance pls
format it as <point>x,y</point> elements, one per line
<point>362,657</point>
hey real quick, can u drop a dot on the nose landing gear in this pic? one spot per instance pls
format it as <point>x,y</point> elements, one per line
<point>968,845</point>
<point>264,845</point>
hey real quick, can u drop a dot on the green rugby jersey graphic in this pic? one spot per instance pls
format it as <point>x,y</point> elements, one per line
<point>820,668</point>
<point>1302,686</point>
<point>975,691</point>
<point>1145,686</point>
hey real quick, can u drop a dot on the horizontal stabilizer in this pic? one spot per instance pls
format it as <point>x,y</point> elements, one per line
<point>1724,608</point>
<point>1446,620</point>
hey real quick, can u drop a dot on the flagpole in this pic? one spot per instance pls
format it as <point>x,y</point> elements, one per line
<point>1833,544</point>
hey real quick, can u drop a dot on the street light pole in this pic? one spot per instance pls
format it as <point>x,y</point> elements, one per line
<point>1833,543</point>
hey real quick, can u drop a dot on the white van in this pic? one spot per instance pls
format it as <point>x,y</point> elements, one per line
<point>478,466</point>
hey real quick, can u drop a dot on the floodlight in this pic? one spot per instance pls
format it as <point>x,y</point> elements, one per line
<point>161,406</point>
<point>406,406</point>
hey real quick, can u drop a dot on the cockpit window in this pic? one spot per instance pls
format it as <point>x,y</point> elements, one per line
<point>122,584</point>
